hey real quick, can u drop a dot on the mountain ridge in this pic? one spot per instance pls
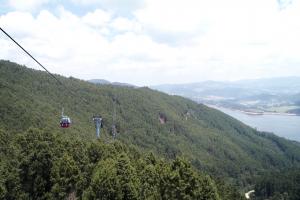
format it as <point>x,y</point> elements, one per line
<point>106,82</point>
<point>211,140</point>
<point>261,95</point>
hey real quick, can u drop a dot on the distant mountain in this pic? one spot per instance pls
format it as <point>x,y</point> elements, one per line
<point>99,81</point>
<point>279,85</point>
<point>261,94</point>
<point>148,120</point>
<point>105,82</point>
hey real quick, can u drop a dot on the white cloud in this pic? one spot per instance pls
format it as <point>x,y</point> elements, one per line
<point>124,24</point>
<point>243,36</point>
<point>63,43</point>
<point>26,4</point>
<point>172,15</point>
<point>166,41</point>
<point>120,7</point>
<point>86,2</point>
<point>97,18</point>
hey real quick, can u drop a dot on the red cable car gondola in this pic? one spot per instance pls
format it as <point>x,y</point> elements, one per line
<point>65,121</point>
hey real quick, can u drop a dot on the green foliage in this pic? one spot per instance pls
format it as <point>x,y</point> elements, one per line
<point>279,185</point>
<point>114,179</point>
<point>65,174</point>
<point>212,141</point>
<point>105,184</point>
<point>49,166</point>
<point>10,186</point>
<point>227,192</point>
<point>181,182</point>
<point>36,159</point>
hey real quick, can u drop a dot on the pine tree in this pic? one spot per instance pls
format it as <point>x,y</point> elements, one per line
<point>65,175</point>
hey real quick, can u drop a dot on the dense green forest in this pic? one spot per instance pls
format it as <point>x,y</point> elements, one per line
<point>44,165</point>
<point>279,185</point>
<point>210,140</point>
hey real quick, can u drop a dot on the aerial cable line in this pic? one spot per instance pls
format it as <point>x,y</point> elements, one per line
<point>30,56</point>
<point>39,63</point>
<point>84,100</point>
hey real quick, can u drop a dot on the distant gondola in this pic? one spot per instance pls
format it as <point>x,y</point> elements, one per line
<point>65,121</point>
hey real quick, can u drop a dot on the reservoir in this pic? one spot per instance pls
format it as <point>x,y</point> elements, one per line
<point>282,125</point>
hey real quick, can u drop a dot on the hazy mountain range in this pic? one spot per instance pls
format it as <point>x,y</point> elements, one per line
<point>106,82</point>
<point>272,94</point>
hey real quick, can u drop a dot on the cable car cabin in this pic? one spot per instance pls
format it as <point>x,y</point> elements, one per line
<point>65,122</point>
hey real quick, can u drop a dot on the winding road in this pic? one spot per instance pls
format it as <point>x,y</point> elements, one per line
<point>247,195</point>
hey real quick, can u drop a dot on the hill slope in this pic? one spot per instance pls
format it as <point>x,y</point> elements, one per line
<point>212,140</point>
<point>43,165</point>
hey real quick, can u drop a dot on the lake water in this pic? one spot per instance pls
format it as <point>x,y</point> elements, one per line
<point>282,125</point>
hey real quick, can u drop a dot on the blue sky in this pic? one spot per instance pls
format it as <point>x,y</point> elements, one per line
<point>78,7</point>
<point>146,42</point>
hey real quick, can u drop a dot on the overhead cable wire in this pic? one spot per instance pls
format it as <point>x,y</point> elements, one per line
<point>30,56</point>
<point>10,37</point>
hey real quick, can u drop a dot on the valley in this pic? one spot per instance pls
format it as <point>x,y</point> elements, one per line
<point>214,143</point>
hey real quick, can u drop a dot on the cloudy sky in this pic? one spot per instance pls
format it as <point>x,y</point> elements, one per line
<point>147,42</point>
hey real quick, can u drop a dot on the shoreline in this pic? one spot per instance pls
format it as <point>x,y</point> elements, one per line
<point>265,113</point>
<point>258,113</point>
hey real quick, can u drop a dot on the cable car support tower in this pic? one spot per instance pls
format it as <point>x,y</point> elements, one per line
<point>98,124</point>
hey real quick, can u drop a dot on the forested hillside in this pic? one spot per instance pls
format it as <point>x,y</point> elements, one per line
<point>169,126</point>
<point>276,185</point>
<point>43,165</point>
